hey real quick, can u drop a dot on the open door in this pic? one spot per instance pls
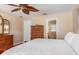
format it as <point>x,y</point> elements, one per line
<point>52,29</point>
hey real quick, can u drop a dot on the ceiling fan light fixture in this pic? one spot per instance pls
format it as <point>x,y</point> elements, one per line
<point>25,8</point>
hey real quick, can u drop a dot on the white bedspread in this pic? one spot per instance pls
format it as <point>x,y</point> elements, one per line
<point>41,47</point>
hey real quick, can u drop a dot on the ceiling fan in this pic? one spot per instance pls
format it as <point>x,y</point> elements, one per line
<point>25,8</point>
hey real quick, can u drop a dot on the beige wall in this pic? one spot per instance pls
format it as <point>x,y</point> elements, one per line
<point>65,22</point>
<point>16,26</point>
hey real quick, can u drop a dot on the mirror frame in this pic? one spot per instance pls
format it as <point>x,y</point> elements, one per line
<point>3,26</point>
<point>8,26</point>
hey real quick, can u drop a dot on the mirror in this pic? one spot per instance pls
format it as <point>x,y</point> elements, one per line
<point>4,26</point>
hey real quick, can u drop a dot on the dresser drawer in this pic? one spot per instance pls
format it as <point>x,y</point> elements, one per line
<point>1,38</point>
<point>37,31</point>
<point>2,43</point>
<point>6,42</point>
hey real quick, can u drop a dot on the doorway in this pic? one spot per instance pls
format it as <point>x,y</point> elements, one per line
<point>51,26</point>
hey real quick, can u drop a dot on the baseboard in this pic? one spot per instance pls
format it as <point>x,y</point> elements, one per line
<point>18,43</point>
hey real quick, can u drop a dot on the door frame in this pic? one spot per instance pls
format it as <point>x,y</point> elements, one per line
<point>46,26</point>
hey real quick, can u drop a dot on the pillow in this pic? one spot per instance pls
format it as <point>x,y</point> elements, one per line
<point>75,43</point>
<point>73,40</point>
<point>69,37</point>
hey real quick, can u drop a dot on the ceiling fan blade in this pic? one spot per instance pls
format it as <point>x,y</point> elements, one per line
<point>25,11</point>
<point>25,8</point>
<point>24,5</point>
<point>17,9</point>
<point>30,8</point>
<point>14,5</point>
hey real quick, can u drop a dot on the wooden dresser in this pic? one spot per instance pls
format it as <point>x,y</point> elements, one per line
<point>37,31</point>
<point>6,42</point>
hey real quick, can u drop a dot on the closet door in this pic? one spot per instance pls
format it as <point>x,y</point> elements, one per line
<point>27,30</point>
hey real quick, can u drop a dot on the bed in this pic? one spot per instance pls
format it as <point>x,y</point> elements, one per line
<point>42,47</point>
